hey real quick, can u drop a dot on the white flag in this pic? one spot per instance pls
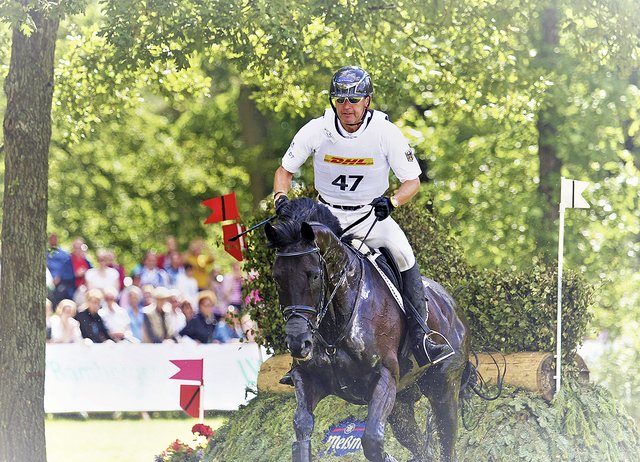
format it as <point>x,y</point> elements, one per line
<point>571,194</point>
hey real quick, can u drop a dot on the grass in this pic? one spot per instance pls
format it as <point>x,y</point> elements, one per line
<point>109,440</point>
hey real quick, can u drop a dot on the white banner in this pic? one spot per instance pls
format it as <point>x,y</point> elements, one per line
<point>135,377</point>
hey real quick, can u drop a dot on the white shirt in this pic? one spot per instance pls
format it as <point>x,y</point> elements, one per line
<point>188,288</point>
<point>116,319</point>
<point>101,278</point>
<point>352,169</point>
<point>68,332</point>
<point>175,321</point>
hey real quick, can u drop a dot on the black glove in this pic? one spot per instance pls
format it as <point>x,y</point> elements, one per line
<point>382,207</point>
<point>280,203</point>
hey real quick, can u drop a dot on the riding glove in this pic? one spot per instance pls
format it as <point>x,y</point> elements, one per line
<point>280,204</point>
<point>382,207</point>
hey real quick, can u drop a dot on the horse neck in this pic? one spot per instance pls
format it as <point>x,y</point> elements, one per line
<point>343,269</point>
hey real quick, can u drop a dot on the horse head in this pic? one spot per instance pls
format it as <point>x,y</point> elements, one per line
<point>300,274</point>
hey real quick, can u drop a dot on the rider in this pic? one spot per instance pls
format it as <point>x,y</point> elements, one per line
<point>353,148</point>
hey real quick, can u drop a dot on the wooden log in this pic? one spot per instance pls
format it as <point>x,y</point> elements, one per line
<point>271,371</point>
<point>533,371</point>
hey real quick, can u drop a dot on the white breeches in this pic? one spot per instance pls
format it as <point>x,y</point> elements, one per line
<point>386,233</point>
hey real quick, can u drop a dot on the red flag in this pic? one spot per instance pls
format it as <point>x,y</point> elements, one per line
<point>190,369</point>
<point>224,208</point>
<point>190,399</point>
<point>233,248</point>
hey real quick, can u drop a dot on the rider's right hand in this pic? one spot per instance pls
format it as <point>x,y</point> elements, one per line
<point>280,203</point>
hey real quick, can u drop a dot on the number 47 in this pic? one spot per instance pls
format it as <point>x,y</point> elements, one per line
<point>341,182</point>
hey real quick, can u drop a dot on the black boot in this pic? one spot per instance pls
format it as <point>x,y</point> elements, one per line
<point>286,378</point>
<point>424,349</point>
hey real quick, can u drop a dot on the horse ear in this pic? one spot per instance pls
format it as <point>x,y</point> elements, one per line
<point>307,232</point>
<point>270,232</point>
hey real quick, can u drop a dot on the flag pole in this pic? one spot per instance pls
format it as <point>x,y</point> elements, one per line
<point>201,410</point>
<point>559,309</point>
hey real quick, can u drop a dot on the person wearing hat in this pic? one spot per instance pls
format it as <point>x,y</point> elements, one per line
<point>155,328</point>
<point>201,327</point>
<point>353,149</point>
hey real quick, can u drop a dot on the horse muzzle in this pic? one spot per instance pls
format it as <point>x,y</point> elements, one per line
<point>299,338</point>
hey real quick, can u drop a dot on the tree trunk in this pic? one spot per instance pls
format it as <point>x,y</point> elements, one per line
<point>547,122</point>
<point>27,133</point>
<point>254,129</point>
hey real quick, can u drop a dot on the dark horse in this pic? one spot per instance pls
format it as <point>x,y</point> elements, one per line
<point>345,331</point>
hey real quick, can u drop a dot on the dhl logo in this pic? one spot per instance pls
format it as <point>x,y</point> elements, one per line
<point>347,160</point>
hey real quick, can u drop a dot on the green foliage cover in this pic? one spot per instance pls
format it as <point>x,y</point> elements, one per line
<point>581,424</point>
<point>507,310</point>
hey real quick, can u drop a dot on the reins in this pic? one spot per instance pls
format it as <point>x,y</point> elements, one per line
<point>322,307</point>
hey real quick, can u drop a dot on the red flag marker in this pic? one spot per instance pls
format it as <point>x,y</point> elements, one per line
<point>190,399</point>
<point>233,248</point>
<point>190,369</point>
<point>224,208</point>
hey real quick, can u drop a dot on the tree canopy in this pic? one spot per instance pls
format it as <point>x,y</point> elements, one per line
<point>158,105</point>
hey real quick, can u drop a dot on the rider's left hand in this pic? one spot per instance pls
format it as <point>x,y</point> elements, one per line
<point>382,207</point>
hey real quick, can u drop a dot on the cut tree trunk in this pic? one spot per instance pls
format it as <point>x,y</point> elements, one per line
<point>533,371</point>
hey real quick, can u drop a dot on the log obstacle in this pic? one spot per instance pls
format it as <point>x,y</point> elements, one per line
<point>532,370</point>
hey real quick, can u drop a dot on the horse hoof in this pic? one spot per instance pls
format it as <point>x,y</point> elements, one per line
<point>388,458</point>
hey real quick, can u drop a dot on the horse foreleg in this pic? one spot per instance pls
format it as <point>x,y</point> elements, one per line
<point>380,405</point>
<point>307,397</point>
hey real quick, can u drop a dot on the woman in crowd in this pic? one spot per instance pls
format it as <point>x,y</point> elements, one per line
<point>201,327</point>
<point>64,328</point>
<point>91,324</point>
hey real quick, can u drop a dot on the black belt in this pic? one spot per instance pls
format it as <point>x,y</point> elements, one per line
<point>341,207</point>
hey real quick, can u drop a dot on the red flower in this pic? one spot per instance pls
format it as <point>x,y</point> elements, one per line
<point>203,430</point>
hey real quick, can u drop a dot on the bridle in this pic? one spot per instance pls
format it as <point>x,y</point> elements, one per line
<point>320,310</point>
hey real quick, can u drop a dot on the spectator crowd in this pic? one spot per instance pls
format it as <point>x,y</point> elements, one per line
<point>170,297</point>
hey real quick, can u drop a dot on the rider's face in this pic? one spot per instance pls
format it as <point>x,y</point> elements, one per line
<point>351,113</point>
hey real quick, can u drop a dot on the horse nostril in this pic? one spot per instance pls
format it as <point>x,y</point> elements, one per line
<point>307,345</point>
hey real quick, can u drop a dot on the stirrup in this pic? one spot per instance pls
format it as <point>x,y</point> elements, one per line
<point>445,350</point>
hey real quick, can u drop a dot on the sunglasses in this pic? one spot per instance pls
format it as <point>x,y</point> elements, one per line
<point>352,99</point>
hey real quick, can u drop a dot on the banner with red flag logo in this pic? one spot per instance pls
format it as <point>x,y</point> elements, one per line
<point>190,369</point>
<point>190,399</point>
<point>234,248</point>
<point>224,208</point>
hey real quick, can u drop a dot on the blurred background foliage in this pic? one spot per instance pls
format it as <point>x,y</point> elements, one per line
<point>160,105</point>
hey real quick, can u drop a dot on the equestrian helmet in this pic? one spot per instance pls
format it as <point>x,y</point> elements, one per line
<point>350,81</point>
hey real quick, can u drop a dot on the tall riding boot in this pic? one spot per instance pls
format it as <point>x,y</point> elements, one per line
<point>286,378</point>
<point>424,349</point>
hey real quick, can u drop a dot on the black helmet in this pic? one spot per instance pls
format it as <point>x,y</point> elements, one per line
<point>350,81</point>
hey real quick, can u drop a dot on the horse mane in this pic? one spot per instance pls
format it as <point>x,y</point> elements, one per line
<point>299,211</point>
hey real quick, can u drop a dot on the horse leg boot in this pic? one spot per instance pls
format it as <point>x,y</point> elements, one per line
<point>301,451</point>
<point>424,349</point>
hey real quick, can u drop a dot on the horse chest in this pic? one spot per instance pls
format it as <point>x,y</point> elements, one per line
<point>345,376</point>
